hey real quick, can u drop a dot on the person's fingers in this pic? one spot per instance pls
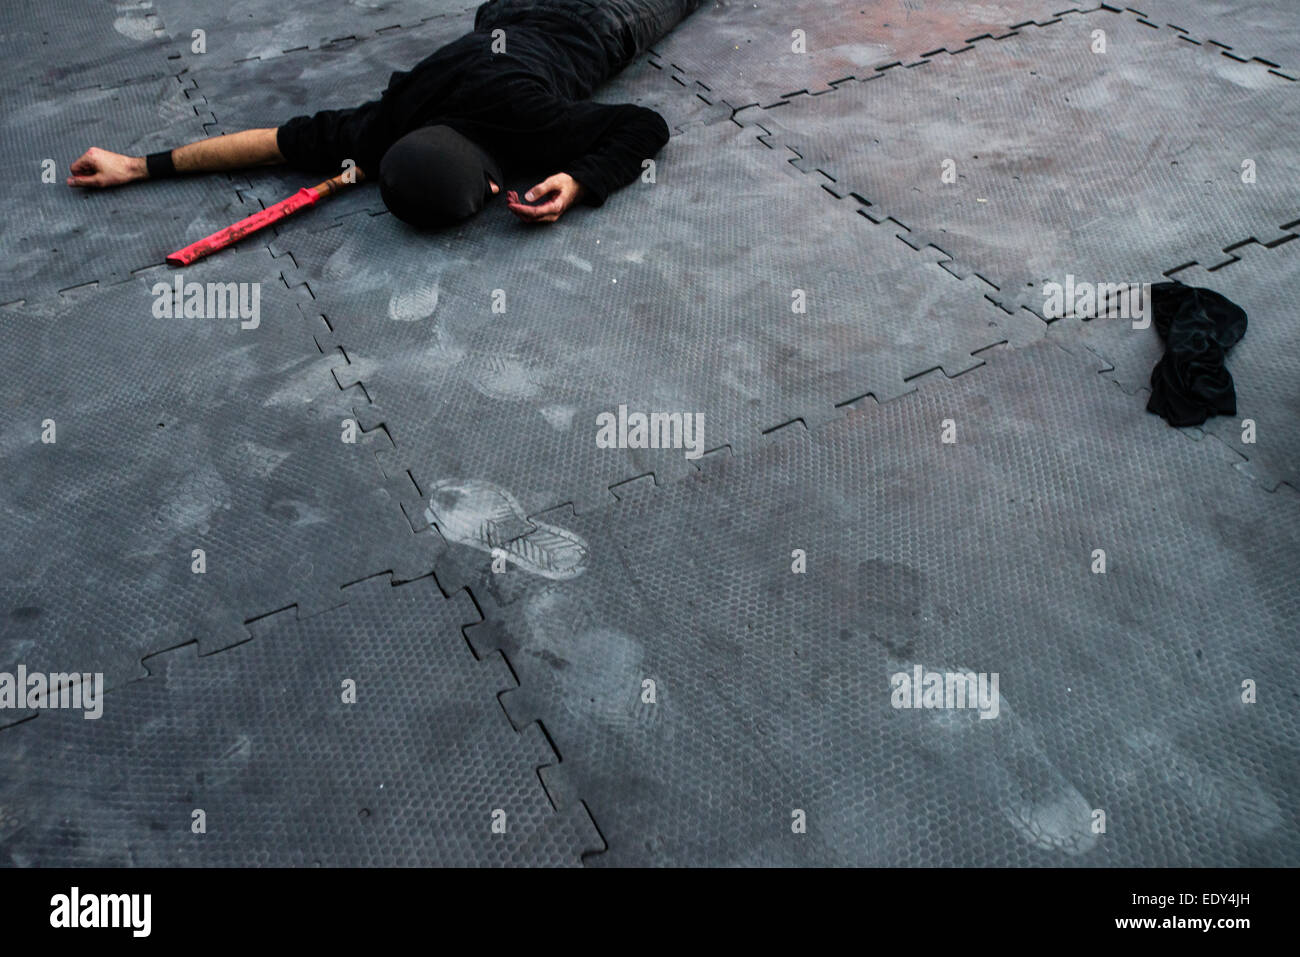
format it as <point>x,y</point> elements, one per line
<point>517,205</point>
<point>83,163</point>
<point>519,209</point>
<point>549,199</point>
<point>551,207</point>
<point>88,170</point>
<point>561,184</point>
<point>529,214</point>
<point>525,209</point>
<point>525,213</point>
<point>552,184</point>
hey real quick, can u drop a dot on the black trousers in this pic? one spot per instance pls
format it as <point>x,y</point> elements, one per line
<point>623,28</point>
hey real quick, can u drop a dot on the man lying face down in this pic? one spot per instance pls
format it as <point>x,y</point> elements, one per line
<point>510,94</point>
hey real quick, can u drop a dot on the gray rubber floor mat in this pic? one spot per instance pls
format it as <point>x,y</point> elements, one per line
<point>1266,283</point>
<point>267,93</point>
<point>748,52</point>
<point>1264,30</point>
<point>338,76</point>
<point>702,694</point>
<point>57,237</point>
<point>701,315</point>
<point>649,81</point>
<point>73,44</point>
<point>1120,693</point>
<point>170,435</point>
<point>416,771</point>
<point>1045,139</point>
<point>235,30</point>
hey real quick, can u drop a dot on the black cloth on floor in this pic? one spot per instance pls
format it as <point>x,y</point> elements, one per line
<point>525,106</point>
<point>1191,382</point>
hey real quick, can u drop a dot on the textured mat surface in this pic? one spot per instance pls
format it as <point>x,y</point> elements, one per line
<point>175,434</point>
<point>1266,283</point>
<point>76,44</point>
<point>235,30</point>
<point>413,771</point>
<point>699,701</point>
<point>1106,192</point>
<point>57,237</point>
<point>704,314</point>
<point>751,52</point>
<point>1263,30</point>
<point>1119,692</point>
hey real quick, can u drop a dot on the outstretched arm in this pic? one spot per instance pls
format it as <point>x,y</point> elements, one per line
<point>633,134</point>
<point>98,168</point>
<point>616,140</point>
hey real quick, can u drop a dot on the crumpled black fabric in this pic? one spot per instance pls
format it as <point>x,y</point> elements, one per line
<point>1191,382</point>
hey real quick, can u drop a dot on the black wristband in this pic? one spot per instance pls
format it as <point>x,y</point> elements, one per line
<point>160,165</point>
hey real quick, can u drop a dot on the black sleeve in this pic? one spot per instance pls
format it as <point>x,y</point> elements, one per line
<point>621,139</point>
<point>319,143</point>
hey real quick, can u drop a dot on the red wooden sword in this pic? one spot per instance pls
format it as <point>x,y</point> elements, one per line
<point>305,197</point>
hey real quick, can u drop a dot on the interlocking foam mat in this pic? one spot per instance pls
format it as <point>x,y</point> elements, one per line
<point>761,53</point>
<point>1262,31</point>
<point>366,736</point>
<point>1267,427</point>
<point>1130,149</point>
<point>725,661</point>
<point>749,333</point>
<point>193,477</point>
<point>355,570</point>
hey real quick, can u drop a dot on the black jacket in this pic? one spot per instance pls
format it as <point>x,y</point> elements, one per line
<point>526,105</point>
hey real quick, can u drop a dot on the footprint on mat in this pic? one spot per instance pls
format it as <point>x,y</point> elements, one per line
<point>175,109</point>
<point>600,668</point>
<point>503,377</point>
<point>349,262</point>
<point>1238,802</point>
<point>136,26</point>
<point>559,417</point>
<point>484,516</point>
<point>189,501</point>
<point>411,305</point>
<point>1003,762</point>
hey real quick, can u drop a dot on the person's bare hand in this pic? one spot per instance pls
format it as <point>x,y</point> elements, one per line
<point>99,169</point>
<point>552,196</point>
